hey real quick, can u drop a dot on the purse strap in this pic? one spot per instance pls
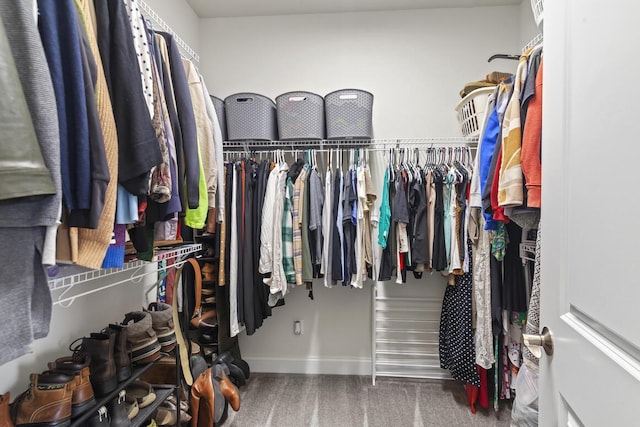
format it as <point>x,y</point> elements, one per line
<point>183,349</point>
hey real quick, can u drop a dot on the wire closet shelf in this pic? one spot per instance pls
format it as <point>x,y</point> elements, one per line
<point>162,25</point>
<point>61,286</point>
<point>329,144</point>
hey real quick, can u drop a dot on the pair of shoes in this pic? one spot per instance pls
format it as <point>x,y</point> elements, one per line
<point>140,392</point>
<point>239,371</point>
<point>150,332</point>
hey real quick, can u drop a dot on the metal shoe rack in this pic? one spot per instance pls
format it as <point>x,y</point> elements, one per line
<point>405,337</point>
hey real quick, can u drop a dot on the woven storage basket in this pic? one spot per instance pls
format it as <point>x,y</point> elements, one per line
<point>250,116</point>
<point>471,111</point>
<point>348,114</point>
<point>218,104</point>
<point>300,116</point>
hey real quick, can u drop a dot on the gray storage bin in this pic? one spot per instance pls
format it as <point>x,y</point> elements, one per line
<point>218,104</point>
<point>300,116</point>
<point>250,116</point>
<point>348,113</point>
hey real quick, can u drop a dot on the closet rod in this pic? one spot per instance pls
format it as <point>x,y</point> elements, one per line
<point>534,42</point>
<point>152,15</point>
<point>381,144</point>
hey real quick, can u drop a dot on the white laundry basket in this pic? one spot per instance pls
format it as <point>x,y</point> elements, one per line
<point>538,11</point>
<point>471,110</point>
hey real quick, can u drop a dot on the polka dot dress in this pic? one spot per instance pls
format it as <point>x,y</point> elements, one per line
<point>143,52</point>
<point>457,349</point>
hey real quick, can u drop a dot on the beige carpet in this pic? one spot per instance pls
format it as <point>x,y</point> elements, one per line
<point>277,400</point>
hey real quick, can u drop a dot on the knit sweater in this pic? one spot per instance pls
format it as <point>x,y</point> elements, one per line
<point>510,185</point>
<point>93,244</point>
<point>31,63</point>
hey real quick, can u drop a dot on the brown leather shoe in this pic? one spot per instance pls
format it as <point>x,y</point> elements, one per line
<point>228,389</point>
<point>77,367</point>
<point>5,418</point>
<point>102,367</point>
<point>47,402</point>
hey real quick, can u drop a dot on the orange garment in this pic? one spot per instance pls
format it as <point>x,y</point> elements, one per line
<point>531,144</point>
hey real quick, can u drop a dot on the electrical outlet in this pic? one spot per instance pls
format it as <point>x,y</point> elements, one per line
<point>297,327</point>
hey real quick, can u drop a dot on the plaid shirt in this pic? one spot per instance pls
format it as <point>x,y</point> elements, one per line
<point>298,191</point>
<point>287,234</point>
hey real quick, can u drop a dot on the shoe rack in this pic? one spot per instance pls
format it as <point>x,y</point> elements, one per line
<point>162,392</point>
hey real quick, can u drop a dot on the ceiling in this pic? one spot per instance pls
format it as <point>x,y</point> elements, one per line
<point>235,8</point>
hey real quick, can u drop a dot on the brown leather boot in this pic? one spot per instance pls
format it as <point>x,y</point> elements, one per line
<point>120,351</point>
<point>47,403</point>
<point>100,348</point>
<point>5,418</point>
<point>77,367</point>
<point>202,401</point>
<point>228,389</point>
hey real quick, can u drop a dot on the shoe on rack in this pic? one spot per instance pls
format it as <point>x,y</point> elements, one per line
<point>132,408</point>
<point>120,351</point>
<point>77,367</point>
<point>102,366</point>
<point>162,323</point>
<point>5,417</point>
<point>141,392</point>
<point>208,272</point>
<point>118,411</point>
<point>141,338</point>
<point>166,417</point>
<point>47,402</point>
<point>227,388</point>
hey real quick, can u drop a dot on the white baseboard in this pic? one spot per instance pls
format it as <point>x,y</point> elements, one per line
<point>311,365</point>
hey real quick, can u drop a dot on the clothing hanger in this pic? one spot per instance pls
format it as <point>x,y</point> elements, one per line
<point>504,56</point>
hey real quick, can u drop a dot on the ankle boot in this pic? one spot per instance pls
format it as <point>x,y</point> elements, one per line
<point>118,411</point>
<point>162,323</point>
<point>100,348</point>
<point>77,366</point>
<point>229,391</point>
<point>141,338</point>
<point>5,418</point>
<point>120,351</point>
<point>47,402</point>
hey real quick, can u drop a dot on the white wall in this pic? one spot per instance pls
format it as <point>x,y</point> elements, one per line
<point>528,28</point>
<point>181,18</point>
<point>415,63</point>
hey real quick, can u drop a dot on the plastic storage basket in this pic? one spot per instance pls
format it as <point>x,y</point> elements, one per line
<point>218,105</point>
<point>300,116</point>
<point>348,114</point>
<point>250,116</point>
<point>538,11</point>
<point>471,110</point>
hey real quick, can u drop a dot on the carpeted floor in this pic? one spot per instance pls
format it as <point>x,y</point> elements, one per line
<point>278,400</point>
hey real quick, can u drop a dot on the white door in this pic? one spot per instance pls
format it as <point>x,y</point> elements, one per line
<point>590,289</point>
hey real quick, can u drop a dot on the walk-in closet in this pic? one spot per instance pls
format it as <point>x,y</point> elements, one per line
<point>319,213</point>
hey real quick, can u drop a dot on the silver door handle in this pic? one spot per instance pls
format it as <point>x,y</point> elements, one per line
<point>537,343</point>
